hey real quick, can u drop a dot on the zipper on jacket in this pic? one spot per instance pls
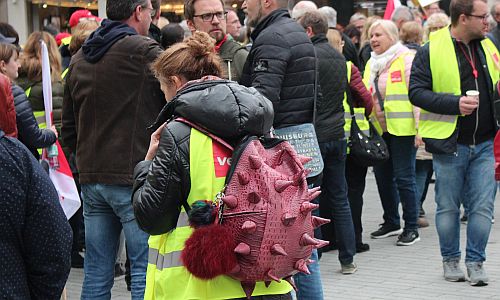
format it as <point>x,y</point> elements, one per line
<point>477,109</point>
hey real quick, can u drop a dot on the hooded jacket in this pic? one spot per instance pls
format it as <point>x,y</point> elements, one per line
<point>103,38</point>
<point>109,104</point>
<point>225,109</point>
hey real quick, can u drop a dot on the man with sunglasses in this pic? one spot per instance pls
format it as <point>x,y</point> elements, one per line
<point>210,16</point>
<point>453,80</point>
<point>110,98</point>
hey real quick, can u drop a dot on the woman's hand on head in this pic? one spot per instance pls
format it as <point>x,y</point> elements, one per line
<point>154,142</point>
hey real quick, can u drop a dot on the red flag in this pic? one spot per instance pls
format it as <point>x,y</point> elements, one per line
<point>389,9</point>
<point>63,181</point>
<point>59,171</point>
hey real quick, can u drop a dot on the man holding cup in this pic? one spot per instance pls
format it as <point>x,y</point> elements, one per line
<point>453,80</point>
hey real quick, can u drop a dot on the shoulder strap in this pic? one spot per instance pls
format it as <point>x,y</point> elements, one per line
<point>205,131</point>
<point>316,91</point>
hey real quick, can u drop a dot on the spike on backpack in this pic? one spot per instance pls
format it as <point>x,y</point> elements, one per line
<point>261,229</point>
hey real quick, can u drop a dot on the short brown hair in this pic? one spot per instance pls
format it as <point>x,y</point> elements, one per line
<point>459,7</point>
<point>316,20</point>
<point>191,59</point>
<point>189,8</point>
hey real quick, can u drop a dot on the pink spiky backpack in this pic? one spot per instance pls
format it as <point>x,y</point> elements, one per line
<point>261,223</point>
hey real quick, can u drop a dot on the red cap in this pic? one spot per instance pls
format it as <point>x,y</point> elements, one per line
<point>79,14</point>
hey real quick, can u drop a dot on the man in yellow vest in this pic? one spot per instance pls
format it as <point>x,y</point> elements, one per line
<point>452,80</point>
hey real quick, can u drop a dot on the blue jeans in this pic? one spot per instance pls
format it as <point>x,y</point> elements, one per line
<point>107,209</point>
<point>333,203</point>
<point>467,175</point>
<point>309,286</point>
<point>396,181</point>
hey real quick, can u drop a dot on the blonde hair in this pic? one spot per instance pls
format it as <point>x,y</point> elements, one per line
<point>365,37</point>
<point>436,20</point>
<point>388,27</point>
<point>335,39</point>
<point>31,57</point>
<point>191,59</point>
<point>411,32</point>
<point>81,33</point>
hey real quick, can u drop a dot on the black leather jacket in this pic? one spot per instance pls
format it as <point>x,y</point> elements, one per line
<point>28,132</point>
<point>225,109</point>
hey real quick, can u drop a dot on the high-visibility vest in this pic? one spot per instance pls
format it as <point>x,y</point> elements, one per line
<point>359,112</point>
<point>398,110</point>
<point>39,117</point>
<point>66,41</point>
<point>446,79</point>
<point>166,277</point>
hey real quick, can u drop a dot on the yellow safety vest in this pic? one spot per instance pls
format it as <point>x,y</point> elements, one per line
<point>66,41</point>
<point>359,112</point>
<point>166,277</point>
<point>397,107</point>
<point>39,117</point>
<point>446,79</point>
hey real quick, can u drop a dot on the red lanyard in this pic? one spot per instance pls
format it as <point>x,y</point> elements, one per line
<point>471,60</point>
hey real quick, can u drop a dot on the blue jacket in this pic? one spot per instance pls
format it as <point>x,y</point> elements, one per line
<point>35,237</point>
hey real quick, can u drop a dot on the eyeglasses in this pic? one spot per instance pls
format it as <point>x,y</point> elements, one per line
<point>153,11</point>
<point>484,18</point>
<point>209,17</point>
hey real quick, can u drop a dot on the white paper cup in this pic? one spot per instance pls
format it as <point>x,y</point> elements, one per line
<point>473,93</point>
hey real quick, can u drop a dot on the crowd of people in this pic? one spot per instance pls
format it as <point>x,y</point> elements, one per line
<point>426,82</point>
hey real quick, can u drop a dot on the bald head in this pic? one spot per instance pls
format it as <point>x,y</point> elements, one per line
<point>302,7</point>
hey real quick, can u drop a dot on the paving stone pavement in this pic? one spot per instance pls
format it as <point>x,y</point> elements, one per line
<point>386,271</point>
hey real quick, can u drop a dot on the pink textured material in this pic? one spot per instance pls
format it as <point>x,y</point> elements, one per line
<point>268,210</point>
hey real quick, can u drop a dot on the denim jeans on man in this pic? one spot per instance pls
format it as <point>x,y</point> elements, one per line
<point>467,175</point>
<point>333,202</point>
<point>310,286</point>
<point>396,181</point>
<point>107,209</point>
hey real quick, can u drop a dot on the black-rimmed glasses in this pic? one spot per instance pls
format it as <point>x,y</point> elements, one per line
<point>484,18</point>
<point>209,17</point>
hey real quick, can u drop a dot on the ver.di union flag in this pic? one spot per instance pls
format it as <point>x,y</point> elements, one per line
<point>390,8</point>
<point>59,172</point>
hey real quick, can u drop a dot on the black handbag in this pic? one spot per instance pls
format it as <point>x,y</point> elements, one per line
<point>365,150</point>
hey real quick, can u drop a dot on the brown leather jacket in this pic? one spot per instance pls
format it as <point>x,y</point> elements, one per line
<point>107,108</point>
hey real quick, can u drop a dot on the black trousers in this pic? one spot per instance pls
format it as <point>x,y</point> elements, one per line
<point>356,181</point>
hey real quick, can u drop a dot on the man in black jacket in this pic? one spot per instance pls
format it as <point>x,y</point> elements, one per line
<point>329,125</point>
<point>281,66</point>
<point>458,128</point>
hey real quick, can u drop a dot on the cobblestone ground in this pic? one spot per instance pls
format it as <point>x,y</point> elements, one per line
<point>386,271</point>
